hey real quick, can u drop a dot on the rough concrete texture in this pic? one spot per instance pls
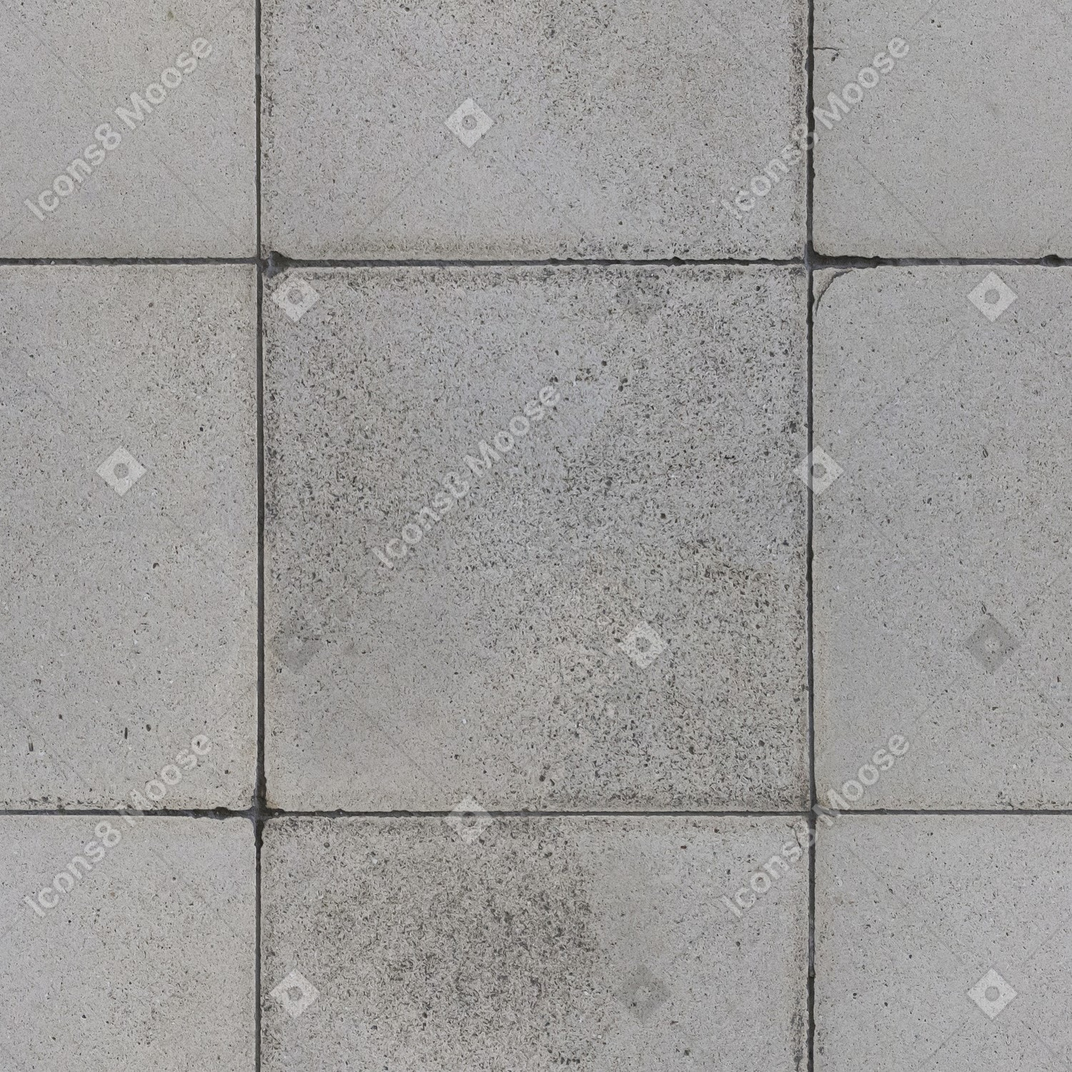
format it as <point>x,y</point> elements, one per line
<point>943,562</point>
<point>127,412</point>
<point>530,130</point>
<point>144,961</point>
<point>611,615</point>
<point>538,943</point>
<point>941,943</point>
<point>175,179</point>
<point>953,152</point>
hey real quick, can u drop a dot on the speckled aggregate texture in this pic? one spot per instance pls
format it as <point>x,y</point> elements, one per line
<point>535,536</point>
<point>616,128</point>
<point>142,959</point>
<point>592,943</point>
<point>943,565</point>
<point>173,174</point>
<point>129,579</point>
<point>955,152</point>
<point>941,943</point>
<point>654,488</point>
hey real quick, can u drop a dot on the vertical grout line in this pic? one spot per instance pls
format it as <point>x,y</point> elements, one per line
<point>809,67</point>
<point>260,795</point>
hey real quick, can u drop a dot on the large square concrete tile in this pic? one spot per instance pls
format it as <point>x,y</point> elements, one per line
<point>129,943</point>
<point>942,943</point>
<point>943,551</point>
<point>531,130</point>
<point>128,659</point>
<point>954,152</point>
<point>604,607</point>
<point>423,945</point>
<point>136,132</point>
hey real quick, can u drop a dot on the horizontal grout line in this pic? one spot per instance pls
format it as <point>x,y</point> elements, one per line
<point>280,263</point>
<point>265,813</point>
<point>158,813</point>
<point>817,262</point>
<point>275,263</point>
<point>959,811</point>
<point>92,262</point>
<point>284,814</point>
<point>255,814</point>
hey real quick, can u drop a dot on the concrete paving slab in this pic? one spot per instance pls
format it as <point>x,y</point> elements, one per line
<point>128,660</point>
<point>943,553</point>
<point>128,943</point>
<point>137,129</point>
<point>941,943</point>
<point>947,151</point>
<point>534,537</point>
<point>598,943</point>
<point>533,131</point>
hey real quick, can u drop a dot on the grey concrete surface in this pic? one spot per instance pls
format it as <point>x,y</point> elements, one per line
<point>942,580</point>
<point>174,174</point>
<point>128,944</point>
<point>954,152</point>
<point>611,614</point>
<point>612,131</point>
<point>129,625</point>
<point>427,491</point>
<point>941,943</point>
<point>597,943</point>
